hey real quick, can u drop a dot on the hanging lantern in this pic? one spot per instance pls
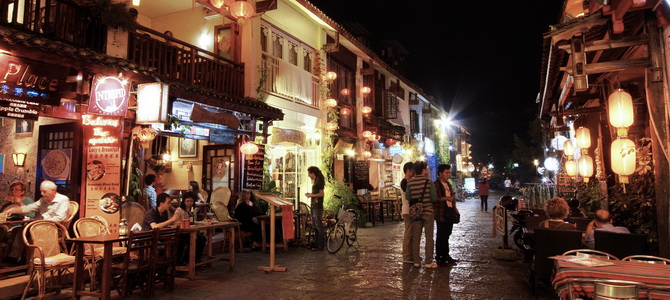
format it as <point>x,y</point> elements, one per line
<point>568,148</point>
<point>331,76</point>
<point>249,148</point>
<point>366,110</point>
<point>145,135</point>
<point>367,154</point>
<point>373,137</point>
<point>330,102</point>
<point>344,92</point>
<point>623,158</point>
<point>331,126</point>
<point>571,168</point>
<point>216,3</point>
<point>585,166</point>
<point>241,10</point>
<point>366,134</point>
<point>551,163</point>
<point>583,135</point>
<point>345,111</point>
<point>365,90</point>
<point>620,111</point>
<point>390,142</point>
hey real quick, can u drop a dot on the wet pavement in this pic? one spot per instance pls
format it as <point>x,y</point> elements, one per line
<point>371,269</point>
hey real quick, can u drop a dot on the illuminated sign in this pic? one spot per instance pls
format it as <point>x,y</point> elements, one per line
<point>152,103</point>
<point>31,81</point>
<point>109,96</point>
<point>101,131</point>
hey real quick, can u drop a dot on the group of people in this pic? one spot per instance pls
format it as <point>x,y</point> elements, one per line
<point>436,198</point>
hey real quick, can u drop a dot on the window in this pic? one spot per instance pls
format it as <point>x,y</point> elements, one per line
<point>265,35</point>
<point>345,80</point>
<point>292,53</point>
<point>390,106</point>
<point>307,60</point>
<point>414,121</point>
<point>277,46</point>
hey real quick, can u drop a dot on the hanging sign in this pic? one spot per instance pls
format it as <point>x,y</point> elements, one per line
<point>101,130</point>
<point>201,115</point>
<point>103,184</point>
<point>109,96</point>
<point>31,81</point>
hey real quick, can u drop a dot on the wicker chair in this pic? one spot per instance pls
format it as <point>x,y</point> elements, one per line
<point>647,259</point>
<point>87,227</point>
<point>590,253</point>
<point>74,209</point>
<point>47,255</point>
<point>133,212</point>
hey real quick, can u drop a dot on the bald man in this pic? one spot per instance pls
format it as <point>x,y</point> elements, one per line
<point>602,221</point>
<point>52,206</point>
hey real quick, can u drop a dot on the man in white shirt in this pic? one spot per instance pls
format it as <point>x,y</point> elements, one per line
<point>508,185</point>
<point>52,206</point>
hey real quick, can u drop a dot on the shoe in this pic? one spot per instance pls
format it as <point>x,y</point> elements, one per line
<point>442,263</point>
<point>417,265</point>
<point>451,260</point>
<point>430,266</point>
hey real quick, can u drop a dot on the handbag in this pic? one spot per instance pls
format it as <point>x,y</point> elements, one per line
<point>416,209</point>
<point>451,215</point>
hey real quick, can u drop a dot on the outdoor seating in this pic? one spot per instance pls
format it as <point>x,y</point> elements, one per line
<point>549,243</point>
<point>590,253</point>
<point>166,258</point>
<point>620,244</point>
<point>48,256</point>
<point>133,212</point>
<point>88,227</point>
<point>580,223</point>
<point>647,259</point>
<point>74,209</point>
<point>137,266</point>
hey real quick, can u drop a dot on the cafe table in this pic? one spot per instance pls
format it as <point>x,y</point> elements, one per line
<point>655,276</point>
<point>107,240</point>
<point>228,226</point>
<point>7,226</point>
<point>390,207</point>
<point>371,210</point>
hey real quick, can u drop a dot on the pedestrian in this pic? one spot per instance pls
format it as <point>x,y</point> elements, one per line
<point>483,188</point>
<point>508,184</point>
<point>318,185</point>
<point>517,185</point>
<point>421,189</point>
<point>407,234</point>
<point>445,198</point>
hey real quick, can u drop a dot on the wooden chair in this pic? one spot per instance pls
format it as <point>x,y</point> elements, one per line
<point>590,253</point>
<point>138,264</point>
<point>166,258</point>
<point>48,256</point>
<point>620,244</point>
<point>133,212</point>
<point>647,259</point>
<point>74,210</point>
<point>549,243</point>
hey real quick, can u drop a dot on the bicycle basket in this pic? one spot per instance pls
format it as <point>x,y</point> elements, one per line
<point>345,216</point>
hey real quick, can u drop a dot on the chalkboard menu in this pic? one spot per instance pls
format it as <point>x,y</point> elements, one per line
<point>253,170</point>
<point>361,174</point>
<point>565,185</point>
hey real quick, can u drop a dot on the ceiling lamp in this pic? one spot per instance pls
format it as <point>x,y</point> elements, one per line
<point>585,166</point>
<point>344,92</point>
<point>366,109</point>
<point>249,148</point>
<point>345,111</point>
<point>330,102</point>
<point>365,90</point>
<point>571,168</point>
<point>623,158</point>
<point>241,10</point>
<point>583,135</point>
<point>620,111</point>
<point>331,76</point>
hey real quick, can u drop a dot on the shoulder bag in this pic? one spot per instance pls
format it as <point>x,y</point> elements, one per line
<point>416,209</point>
<point>451,216</point>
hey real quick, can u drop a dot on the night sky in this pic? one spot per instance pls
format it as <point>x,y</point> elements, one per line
<point>479,59</point>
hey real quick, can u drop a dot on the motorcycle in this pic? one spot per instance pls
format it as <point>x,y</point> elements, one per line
<point>519,214</point>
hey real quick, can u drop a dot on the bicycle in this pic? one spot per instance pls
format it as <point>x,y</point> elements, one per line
<point>346,228</point>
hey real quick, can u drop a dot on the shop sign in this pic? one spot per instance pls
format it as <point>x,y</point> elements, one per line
<point>201,115</point>
<point>103,184</point>
<point>395,150</point>
<point>280,135</point>
<point>152,103</point>
<point>109,96</point>
<point>19,109</point>
<point>30,81</point>
<point>101,130</point>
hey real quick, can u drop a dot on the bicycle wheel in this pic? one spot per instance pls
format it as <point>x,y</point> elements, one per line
<point>335,239</point>
<point>351,235</point>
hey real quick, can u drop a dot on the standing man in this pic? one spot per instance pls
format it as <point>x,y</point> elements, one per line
<point>421,190</point>
<point>151,180</point>
<point>157,217</point>
<point>52,206</point>
<point>508,185</point>
<point>407,235</point>
<point>445,198</point>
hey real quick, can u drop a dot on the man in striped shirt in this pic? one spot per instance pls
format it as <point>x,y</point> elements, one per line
<point>421,189</point>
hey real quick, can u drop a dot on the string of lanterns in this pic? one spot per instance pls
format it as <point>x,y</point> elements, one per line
<point>240,9</point>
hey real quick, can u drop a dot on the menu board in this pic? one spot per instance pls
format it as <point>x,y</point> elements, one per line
<point>566,185</point>
<point>361,174</point>
<point>253,170</point>
<point>103,188</point>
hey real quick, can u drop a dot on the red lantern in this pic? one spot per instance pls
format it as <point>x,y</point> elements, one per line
<point>365,90</point>
<point>344,92</point>
<point>390,142</point>
<point>345,111</point>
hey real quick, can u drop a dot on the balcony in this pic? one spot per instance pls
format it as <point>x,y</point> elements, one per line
<point>290,82</point>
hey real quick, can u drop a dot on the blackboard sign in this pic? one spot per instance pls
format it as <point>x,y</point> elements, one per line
<point>565,186</point>
<point>361,174</point>
<point>253,170</point>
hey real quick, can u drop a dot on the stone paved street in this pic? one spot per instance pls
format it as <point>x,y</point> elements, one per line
<point>371,270</point>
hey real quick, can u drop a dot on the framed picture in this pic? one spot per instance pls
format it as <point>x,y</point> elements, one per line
<point>188,147</point>
<point>24,127</point>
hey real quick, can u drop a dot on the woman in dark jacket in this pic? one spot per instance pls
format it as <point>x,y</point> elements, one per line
<point>483,188</point>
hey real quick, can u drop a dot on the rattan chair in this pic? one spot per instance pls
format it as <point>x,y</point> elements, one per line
<point>74,209</point>
<point>102,220</point>
<point>647,259</point>
<point>138,264</point>
<point>133,212</point>
<point>590,253</point>
<point>48,256</point>
<point>87,227</point>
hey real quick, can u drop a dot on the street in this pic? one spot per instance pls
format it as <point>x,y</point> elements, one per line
<point>372,269</point>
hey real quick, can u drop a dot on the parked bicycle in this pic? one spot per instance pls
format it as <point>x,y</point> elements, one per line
<point>345,229</point>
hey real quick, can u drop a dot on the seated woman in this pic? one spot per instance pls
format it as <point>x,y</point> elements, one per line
<point>187,205</point>
<point>15,254</point>
<point>245,212</point>
<point>557,210</point>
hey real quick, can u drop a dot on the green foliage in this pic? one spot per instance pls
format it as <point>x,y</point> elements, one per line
<point>589,197</point>
<point>345,197</point>
<point>263,78</point>
<point>114,15</point>
<point>442,147</point>
<point>134,191</point>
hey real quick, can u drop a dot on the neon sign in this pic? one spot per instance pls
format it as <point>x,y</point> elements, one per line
<point>109,96</point>
<point>101,131</point>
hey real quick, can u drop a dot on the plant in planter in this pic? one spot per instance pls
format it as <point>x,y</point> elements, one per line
<point>113,14</point>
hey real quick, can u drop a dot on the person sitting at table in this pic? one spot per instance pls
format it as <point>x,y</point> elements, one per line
<point>157,217</point>
<point>16,198</point>
<point>575,212</point>
<point>188,204</point>
<point>557,210</point>
<point>52,206</point>
<point>245,212</point>
<point>602,221</point>
<point>194,188</point>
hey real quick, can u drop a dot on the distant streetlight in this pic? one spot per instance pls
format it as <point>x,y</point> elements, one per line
<point>516,165</point>
<point>536,162</point>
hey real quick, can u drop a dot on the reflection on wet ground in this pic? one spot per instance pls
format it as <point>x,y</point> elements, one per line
<point>372,269</point>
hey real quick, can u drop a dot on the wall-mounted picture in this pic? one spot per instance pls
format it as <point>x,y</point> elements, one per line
<point>188,147</point>
<point>24,126</point>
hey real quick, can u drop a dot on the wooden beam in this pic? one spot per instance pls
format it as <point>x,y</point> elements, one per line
<point>611,44</point>
<point>612,66</point>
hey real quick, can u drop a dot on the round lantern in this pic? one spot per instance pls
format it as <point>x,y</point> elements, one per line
<point>345,111</point>
<point>551,164</point>
<point>558,142</point>
<point>249,148</point>
<point>583,135</point>
<point>373,137</point>
<point>331,126</point>
<point>366,110</point>
<point>344,92</point>
<point>330,102</point>
<point>571,168</point>
<point>568,148</point>
<point>216,3</point>
<point>471,168</point>
<point>365,90</point>
<point>331,76</point>
<point>620,110</point>
<point>585,167</point>
<point>367,154</point>
<point>390,142</point>
<point>242,9</point>
<point>366,134</point>
<point>623,158</point>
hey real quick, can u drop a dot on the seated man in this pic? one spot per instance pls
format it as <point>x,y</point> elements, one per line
<point>51,206</point>
<point>602,221</point>
<point>157,217</point>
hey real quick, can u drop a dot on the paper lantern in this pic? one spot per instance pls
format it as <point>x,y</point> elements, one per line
<point>551,163</point>
<point>332,126</point>
<point>366,134</point>
<point>330,102</point>
<point>623,158</point>
<point>367,154</point>
<point>249,148</point>
<point>331,76</point>
<point>345,111</point>
<point>571,168</point>
<point>568,148</point>
<point>216,3</point>
<point>585,166</point>
<point>366,110</point>
<point>620,111</point>
<point>583,135</point>
<point>344,92</point>
<point>242,9</point>
<point>471,168</point>
<point>365,90</point>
